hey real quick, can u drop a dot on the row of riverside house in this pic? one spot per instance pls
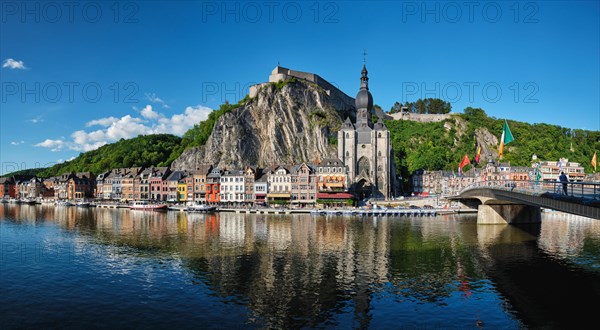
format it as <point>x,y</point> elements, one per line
<point>306,184</point>
<point>66,186</point>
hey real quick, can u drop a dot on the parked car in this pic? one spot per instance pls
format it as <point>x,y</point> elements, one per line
<point>414,207</point>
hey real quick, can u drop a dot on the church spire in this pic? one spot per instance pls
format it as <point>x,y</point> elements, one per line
<point>364,79</point>
<point>364,101</point>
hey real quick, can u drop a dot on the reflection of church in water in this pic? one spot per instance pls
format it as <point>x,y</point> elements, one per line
<point>365,149</point>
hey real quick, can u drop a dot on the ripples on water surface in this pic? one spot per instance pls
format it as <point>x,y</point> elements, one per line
<point>72,267</point>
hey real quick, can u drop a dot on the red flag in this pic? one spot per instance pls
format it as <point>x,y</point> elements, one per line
<point>464,162</point>
<point>478,155</point>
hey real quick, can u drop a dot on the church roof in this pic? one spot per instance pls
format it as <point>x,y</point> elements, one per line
<point>380,125</point>
<point>348,124</point>
<point>364,99</point>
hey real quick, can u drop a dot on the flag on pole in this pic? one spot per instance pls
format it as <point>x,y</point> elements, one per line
<point>464,162</point>
<point>538,175</point>
<point>506,138</point>
<point>478,154</point>
<point>594,161</point>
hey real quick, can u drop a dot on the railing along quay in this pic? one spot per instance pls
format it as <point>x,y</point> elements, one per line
<point>581,192</point>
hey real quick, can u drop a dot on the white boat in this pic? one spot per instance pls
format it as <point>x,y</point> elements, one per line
<point>145,205</point>
<point>82,204</point>
<point>200,208</point>
<point>29,201</point>
<point>63,203</point>
<point>176,208</point>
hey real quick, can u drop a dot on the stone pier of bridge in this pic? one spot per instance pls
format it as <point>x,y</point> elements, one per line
<point>490,214</point>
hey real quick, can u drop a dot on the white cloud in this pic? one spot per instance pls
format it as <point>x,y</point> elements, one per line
<point>180,123</point>
<point>155,99</point>
<point>54,145</point>
<point>61,160</point>
<point>148,113</point>
<point>16,143</point>
<point>36,120</point>
<point>127,127</point>
<point>102,121</point>
<point>13,64</point>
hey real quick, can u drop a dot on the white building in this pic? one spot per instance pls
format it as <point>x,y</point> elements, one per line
<point>232,187</point>
<point>550,170</point>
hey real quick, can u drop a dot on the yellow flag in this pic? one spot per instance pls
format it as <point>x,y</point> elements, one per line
<point>594,161</point>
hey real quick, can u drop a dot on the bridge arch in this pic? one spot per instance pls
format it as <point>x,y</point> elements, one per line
<point>511,203</point>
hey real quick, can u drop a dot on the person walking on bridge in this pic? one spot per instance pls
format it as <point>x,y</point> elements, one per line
<point>564,180</point>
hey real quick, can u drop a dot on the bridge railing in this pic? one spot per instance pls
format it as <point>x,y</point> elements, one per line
<point>582,190</point>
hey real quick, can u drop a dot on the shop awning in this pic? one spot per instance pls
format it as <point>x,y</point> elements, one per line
<point>334,196</point>
<point>281,195</point>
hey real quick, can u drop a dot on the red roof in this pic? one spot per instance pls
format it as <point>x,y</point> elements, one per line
<point>334,196</point>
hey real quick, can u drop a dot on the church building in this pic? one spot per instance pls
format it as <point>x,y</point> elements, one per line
<point>365,149</point>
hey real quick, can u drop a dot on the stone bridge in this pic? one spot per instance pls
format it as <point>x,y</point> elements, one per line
<point>521,201</point>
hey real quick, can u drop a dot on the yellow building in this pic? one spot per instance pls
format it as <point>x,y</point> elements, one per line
<point>182,191</point>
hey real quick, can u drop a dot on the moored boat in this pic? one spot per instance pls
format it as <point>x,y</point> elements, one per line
<point>200,208</point>
<point>145,205</point>
<point>176,208</point>
<point>82,204</point>
<point>63,203</point>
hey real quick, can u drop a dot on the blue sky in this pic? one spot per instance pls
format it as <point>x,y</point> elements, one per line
<point>76,75</point>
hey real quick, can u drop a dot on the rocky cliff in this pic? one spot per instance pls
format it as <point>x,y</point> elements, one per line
<point>485,139</point>
<point>291,121</point>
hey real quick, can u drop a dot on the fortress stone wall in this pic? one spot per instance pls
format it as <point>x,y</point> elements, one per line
<point>419,117</point>
<point>280,73</point>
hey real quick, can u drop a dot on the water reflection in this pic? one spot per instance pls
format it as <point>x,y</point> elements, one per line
<point>294,271</point>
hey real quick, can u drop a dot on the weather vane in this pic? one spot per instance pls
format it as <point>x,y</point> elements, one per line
<point>365,56</point>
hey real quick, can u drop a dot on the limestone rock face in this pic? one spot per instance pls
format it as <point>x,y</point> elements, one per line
<point>289,124</point>
<point>488,142</point>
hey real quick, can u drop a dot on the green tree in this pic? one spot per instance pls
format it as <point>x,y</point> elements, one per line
<point>423,106</point>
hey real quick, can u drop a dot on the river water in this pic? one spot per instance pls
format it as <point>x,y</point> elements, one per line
<point>69,267</point>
